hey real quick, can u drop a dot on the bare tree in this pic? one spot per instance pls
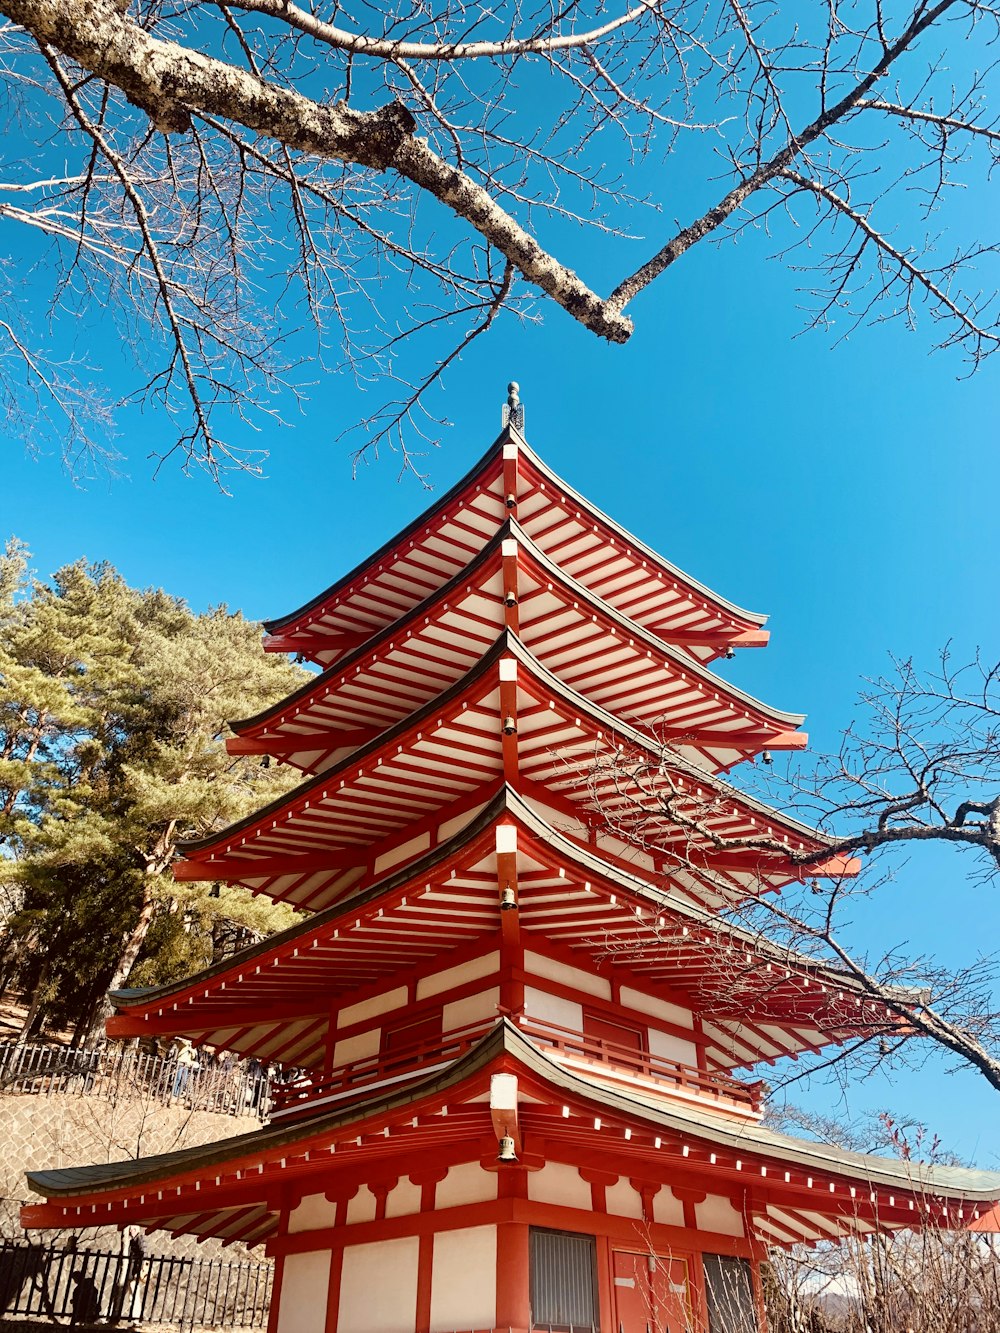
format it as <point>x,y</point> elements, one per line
<point>920,765</point>
<point>411,170</point>
<point>918,1279</point>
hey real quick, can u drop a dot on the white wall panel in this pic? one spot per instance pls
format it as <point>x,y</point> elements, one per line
<point>656,1008</point>
<point>718,1214</point>
<point>403,1200</point>
<point>667,1209</point>
<point>553,1009</point>
<point>473,1009</point>
<point>315,1211</point>
<point>454,976</point>
<point>356,1048</point>
<point>362,1207</point>
<point>553,970</point>
<point>623,1200</point>
<point>560,1184</point>
<point>304,1287</point>
<point>673,1048</point>
<point>378,1004</point>
<point>378,1287</point>
<point>464,1282</point>
<point>465,1183</point>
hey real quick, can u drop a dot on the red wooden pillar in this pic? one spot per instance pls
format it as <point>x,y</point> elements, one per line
<point>513,1293</point>
<point>758,1254</point>
<point>428,1182</point>
<point>279,1271</point>
<point>605,1282</point>
<point>333,1290</point>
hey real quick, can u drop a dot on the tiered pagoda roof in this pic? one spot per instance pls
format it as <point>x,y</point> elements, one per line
<point>493,680</point>
<point>764,1003</point>
<point>510,480</point>
<point>798,1190</point>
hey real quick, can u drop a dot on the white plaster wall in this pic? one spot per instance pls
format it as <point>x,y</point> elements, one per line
<point>656,1008</point>
<point>560,821</point>
<point>553,970</point>
<point>356,1048</point>
<point>667,1209</point>
<point>315,1211</point>
<point>553,1009</point>
<point>304,1289</point>
<point>362,1207</point>
<point>673,1048</point>
<point>403,1200</point>
<point>460,1013</point>
<point>718,1214</point>
<point>628,852</point>
<point>378,1287</point>
<point>464,1281</point>
<point>378,1004</point>
<point>623,1200</point>
<point>560,1184</point>
<point>451,826</point>
<point>402,853</point>
<point>465,1183</point>
<point>455,976</point>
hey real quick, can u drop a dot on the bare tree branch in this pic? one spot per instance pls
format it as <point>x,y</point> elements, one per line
<point>923,765</point>
<point>220,146</point>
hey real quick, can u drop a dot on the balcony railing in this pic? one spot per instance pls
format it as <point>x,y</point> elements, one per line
<point>303,1096</point>
<point>385,1067</point>
<point>611,1059</point>
<point>87,1287</point>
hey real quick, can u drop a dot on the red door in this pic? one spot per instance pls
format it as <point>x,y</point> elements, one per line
<point>651,1294</point>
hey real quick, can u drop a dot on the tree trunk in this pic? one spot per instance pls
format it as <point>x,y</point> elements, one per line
<point>32,1019</point>
<point>133,942</point>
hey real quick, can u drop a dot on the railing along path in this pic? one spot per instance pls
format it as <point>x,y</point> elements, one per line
<point>229,1087</point>
<point>88,1286</point>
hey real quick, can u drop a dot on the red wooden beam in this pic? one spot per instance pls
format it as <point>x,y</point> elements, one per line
<point>289,742</point>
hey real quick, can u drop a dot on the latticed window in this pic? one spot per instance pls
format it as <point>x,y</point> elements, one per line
<point>729,1288</point>
<point>563,1280</point>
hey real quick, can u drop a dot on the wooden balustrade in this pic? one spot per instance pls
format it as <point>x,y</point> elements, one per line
<point>402,1062</point>
<point>598,1051</point>
<point>301,1095</point>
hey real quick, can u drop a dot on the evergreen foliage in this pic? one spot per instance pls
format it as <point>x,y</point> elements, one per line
<point>113,712</point>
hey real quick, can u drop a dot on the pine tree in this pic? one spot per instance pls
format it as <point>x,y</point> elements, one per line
<point>113,709</point>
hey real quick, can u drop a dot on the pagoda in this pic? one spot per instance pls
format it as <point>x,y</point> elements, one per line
<point>518,1005</point>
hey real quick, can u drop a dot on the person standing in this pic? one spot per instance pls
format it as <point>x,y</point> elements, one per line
<point>187,1061</point>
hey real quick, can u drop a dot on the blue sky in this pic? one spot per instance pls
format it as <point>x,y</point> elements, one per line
<point>848,489</point>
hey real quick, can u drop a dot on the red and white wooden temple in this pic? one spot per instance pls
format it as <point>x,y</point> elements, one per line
<point>519,1016</point>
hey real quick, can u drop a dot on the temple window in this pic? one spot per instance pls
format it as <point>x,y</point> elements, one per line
<point>729,1291</point>
<point>618,1042</point>
<point>563,1280</point>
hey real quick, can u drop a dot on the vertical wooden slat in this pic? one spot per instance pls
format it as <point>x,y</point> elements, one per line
<point>171,1290</point>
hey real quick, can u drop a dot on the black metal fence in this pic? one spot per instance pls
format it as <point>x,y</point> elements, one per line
<point>91,1286</point>
<point>228,1086</point>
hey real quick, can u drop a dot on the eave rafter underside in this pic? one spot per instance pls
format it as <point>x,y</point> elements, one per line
<point>385,801</point>
<point>616,666</point>
<point>589,546</point>
<point>788,1190</point>
<point>763,1003</point>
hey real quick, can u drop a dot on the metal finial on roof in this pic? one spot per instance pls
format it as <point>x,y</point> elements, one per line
<point>513,408</point>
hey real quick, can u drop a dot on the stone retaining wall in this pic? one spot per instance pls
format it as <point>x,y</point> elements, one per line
<point>63,1130</point>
